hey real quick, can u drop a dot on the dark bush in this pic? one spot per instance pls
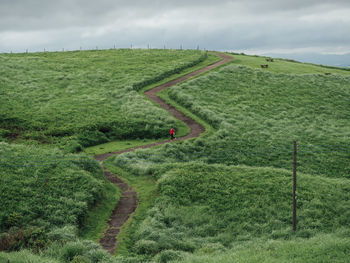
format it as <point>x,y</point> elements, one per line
<point>148,247</point>
<point>73,147</point>
<point>17,238</point>
<point>14,219</point>
<point>89,138</point>
<point>139,85</point>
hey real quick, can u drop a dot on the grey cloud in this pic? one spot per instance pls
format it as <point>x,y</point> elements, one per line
<point>44,14</point>
<point>223,25</point>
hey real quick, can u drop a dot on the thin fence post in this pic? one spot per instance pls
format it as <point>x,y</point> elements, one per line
<point>295,187</point>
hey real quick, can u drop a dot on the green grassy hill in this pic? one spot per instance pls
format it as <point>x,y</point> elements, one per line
<point>50,198</point>
<point>223,197</point>
<point>43,189</point>
<point>208,203</point>
<point>260,114</point>
<point>257,117</point>
<point>204,208</point>
<point>320,249</point>
<point>86,98</point>
<point>287,66</point>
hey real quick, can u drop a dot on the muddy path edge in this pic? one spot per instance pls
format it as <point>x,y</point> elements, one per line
<point>128,200</point>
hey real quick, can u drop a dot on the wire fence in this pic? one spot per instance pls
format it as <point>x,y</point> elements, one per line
<point>104,47</point>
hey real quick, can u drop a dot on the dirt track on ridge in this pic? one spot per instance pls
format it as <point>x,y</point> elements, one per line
<point>128,201</point>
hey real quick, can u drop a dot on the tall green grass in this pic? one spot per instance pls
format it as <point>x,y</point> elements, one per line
<point>85,98</point>
<point>201,205</point>
<point>207,204</point>
<point>24,257</point>
<point>258,115</point>
<point>47,194</point>
<point>323,248</point>
<point>74,251</point>
<point>43,189</point>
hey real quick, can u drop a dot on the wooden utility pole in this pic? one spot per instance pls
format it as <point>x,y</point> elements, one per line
<point>295,187</point>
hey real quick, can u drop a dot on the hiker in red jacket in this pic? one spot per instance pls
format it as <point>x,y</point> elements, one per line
<point>172,133</point>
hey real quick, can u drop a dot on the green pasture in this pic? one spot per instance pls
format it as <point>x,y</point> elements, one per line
<point>323,248</point>
<point>223,197</point>
<point>258,115</point>
<point>211,209</point>
<point>257,119</point>
<point>181,128</point>
<point>205,208</point>
<point>86,98</point>
<point>42,190</point>
<point>286,66</point>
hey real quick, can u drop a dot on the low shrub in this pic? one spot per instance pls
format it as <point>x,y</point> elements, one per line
<point>169,255</point>
<point>148,247</point>
<point>73,250</point>
<point>63,235</point>
<point>30,237</point>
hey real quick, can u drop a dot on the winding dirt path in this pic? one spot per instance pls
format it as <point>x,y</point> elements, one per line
<point>128,201</point>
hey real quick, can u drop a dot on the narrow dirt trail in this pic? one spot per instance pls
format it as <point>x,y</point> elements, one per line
<point>128,201</point>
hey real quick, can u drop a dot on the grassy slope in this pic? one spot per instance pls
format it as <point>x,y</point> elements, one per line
<point>258,112</point>
<point>95,222</point>
<point>148,161</point>
<point>144,185</point>
<point>72,184</point>
<point>92,96</point>
<point>144,201</point>
<point>53,160</point>
<point>284,66</point>
<point>248,129</point>
<point>336,247</point>
<point>323,248</point>
<point>182,129</point>
<point>47,195</point>
<point>25,257</point>
<point>201,205</point>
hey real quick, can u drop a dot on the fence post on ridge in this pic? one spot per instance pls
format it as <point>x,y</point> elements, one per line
<point>295,187</point>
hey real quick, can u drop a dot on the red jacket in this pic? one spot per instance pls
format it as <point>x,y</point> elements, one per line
<point>172,131</point>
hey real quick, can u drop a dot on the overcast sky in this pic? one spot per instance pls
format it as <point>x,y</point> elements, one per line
<point>252,26</point>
